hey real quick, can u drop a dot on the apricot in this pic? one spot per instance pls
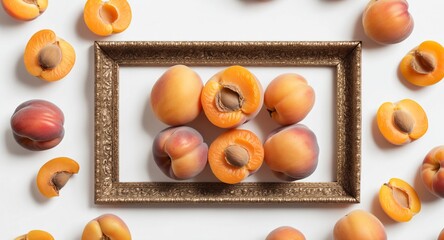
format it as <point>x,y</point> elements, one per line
<point>441,235</point>
<point>292,152</point>
<point>234,155</point>
<point>289,98</point>
<point>106,226</point>
<point>424,65</point>
<point>402,122</point>
<point>54,174</point>
<point>107,17</point>
<point>180,152</point>
<point>387,21</point>
<point>38,125</point>
<point>48,56</point>
<point>175,97</point>
<point>432,171</point>
<point>231,97</point>
<point>36,235</point>
<point>25,9</point>
<point>359,224</point>
<point>285,233</point>
<point>399,200</point>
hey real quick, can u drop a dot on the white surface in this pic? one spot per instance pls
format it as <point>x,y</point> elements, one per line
<point>22,208</point>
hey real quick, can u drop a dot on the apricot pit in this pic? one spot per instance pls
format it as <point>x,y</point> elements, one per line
<point>54,174</point>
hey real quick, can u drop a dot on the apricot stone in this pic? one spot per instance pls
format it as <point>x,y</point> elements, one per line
<point>180,152</point>
<point>292,152</point>
<point>359,224</point>
<point>175,97</point>
<point>48,57</point>
<point>25,9</point>
<point>106,226</point>
<point>285,233</point>
<point>289,98</point>
<point>107,17</point>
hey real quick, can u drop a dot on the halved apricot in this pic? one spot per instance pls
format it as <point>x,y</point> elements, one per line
<point>54,174</point>
<point>36,235</point>
<point>25,9</point>
<point>232,97</point>
<point>107,17</point>
<point>399,200</point>
<point>402,122</point>
<point>48,56</point>
<point>424,65</point>
<point>235,155</point>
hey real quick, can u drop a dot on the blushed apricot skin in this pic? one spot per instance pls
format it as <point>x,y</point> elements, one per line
<point>387,21</point>
<point>285,233</point>
<point>50,169</point>
<point>399,200</point>
<point>175,97</point>
<point>441,235</point>
<point>292,152</point>
<point>37,125</point>
<point>107,17</point>
<point>391,131</point>
<point>432,171</point>
<point>22,10</point>
<point>108,225</point>
<point>289,98</point>
<point>359,224</point>
<point>36,235</point>
<point>180,152</point>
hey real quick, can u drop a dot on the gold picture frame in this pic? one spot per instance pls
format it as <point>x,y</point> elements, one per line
<point>343,56</point>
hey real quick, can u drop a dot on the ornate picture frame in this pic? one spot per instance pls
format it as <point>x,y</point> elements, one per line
<point>344,57</point>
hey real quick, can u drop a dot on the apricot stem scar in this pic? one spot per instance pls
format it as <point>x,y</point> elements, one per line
<point>236,155</point>
<point>423,62</point>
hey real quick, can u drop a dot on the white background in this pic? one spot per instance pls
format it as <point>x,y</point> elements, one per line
<point>22,208</point>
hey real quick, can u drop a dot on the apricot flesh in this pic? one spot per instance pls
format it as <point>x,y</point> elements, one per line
<point>402,122</point>
<point>25,9</point>
<point>175,97</point>
<point>106,226</point>
<point>399,200</point>
<point>180,152</point>
<point>359,224</point>
<point>424,65</point>
<point>285,233</point>
<point>289,98</point>
<point>432,171</point>
<point>48,57</point>
<point>292,152</point>
<point>107,17</point>
<point>54,174</point>
<point>36,235</point>
<point>38,125</point>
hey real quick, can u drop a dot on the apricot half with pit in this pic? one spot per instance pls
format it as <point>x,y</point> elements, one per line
<point>48,57</point>
<point>36,235</point>
<point>402,122</point>
<point>25,9</point>
<point>399,200</point>
<point>54,174</point>
<point>107,17</point>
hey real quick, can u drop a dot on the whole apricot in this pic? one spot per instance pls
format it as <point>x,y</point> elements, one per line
<point>359,224</point>
<point>292,152</point>
<point>387,21</point>
<point>38,125</point>
<point>432,171</point>
<point>289,98</point>
<point>285,233</point>
<point>175,97</point>
<point>180,152</point>
<point>106,226</point>
<point>25,9</point>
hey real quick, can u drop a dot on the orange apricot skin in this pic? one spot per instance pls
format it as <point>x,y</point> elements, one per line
<point>359,224</point>
<point>120,11</point>
<point>175,97</point>
<point>249,86</point>
<point>47,171</point>
<point>387,21</point>
<point>21,10</point>
<point>432,171</point>
<point>38,41</point>
<point>441,235</point>
<point>424,79</point>
<point>289,98</point>
<point>387,127</point>
<point>392,207</point>
<point>285,233</point>
<point>292,152</point>
<point>108,225</point>
<point>36,235</point>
